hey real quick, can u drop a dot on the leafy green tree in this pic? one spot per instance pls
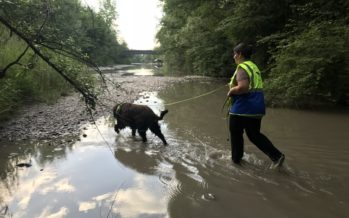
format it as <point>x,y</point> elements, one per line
<point>310,65</point>
<point>54,37</point>
<point>300,46</point>
<point>190,39</point>
<point>176,15</point>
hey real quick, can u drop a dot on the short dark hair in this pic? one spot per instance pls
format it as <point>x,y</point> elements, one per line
<point>245,50</point>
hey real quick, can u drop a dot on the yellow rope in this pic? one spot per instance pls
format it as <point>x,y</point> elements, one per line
<point>199,96</point>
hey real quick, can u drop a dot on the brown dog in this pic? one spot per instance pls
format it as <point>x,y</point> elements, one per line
<point>140,118</point>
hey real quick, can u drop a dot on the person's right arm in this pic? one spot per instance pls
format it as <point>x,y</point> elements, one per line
<point>243,83</point>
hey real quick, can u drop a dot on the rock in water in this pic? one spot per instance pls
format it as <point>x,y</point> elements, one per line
<point>23,165</point>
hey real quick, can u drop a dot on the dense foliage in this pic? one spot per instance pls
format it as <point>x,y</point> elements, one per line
<point>301,46</point>
<point>72,37</point>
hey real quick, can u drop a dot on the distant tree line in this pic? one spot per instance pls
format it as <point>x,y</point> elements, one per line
<point>48,47</point>
<point>301,46</point>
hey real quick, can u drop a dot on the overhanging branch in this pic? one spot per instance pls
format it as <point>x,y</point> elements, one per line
<point>89,97</point>
<point>3,72</point>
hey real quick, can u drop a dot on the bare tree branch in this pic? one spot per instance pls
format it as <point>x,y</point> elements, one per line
<point>89,97</point>
<point>75,56</point>
<point>3,72</point>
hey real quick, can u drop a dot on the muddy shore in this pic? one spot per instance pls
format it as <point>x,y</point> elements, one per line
<point>64,119</point>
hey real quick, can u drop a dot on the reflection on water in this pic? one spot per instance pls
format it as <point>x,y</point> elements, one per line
<point>85,183</point>
<point>134,70</point>
<point>109,175</point>
<point>312,181</point>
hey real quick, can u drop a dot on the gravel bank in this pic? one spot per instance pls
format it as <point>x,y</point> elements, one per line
<point>64,119</point>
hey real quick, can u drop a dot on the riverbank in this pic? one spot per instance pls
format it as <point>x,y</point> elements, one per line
<point>63,120</point>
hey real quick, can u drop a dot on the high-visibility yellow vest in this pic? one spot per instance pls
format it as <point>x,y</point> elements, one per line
<point>254,75</point>
<point>252,102</point>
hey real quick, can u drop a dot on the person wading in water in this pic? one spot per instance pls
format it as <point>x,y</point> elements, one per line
<point>248,108</point>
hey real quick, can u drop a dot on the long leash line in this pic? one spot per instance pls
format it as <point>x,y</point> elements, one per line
<point>185,100</point>
<point>168,104</point>
<point>195,97</point>
<point>226,101</point>
<point>112,152</point>
<point>173,103</point>
<point>188,99</point>
<point>100,133</point>
<point>114,199</point>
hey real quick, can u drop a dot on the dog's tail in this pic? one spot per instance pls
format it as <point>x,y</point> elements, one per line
<point>162,114</point>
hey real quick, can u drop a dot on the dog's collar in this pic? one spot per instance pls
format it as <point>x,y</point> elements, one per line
<point>118,108</point>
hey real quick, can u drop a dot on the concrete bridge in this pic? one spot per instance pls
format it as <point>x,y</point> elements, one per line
<point>135,52</point>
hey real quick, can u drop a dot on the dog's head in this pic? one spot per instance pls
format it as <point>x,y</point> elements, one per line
<point>116,128</point>
<point>119,123</point>
<point>116,110</point>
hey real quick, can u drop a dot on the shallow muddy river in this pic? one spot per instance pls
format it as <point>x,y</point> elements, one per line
<point>109,175</point>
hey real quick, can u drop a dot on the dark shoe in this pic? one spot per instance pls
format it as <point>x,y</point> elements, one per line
<point>278,163</point>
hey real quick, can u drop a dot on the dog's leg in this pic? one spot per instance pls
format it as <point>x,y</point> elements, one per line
<point>142,133</point>
<point>155,128</point>
<point>116,128</point>
<point>133,132</point>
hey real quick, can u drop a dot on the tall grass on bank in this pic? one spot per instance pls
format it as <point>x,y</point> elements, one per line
<point>32,80</point>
